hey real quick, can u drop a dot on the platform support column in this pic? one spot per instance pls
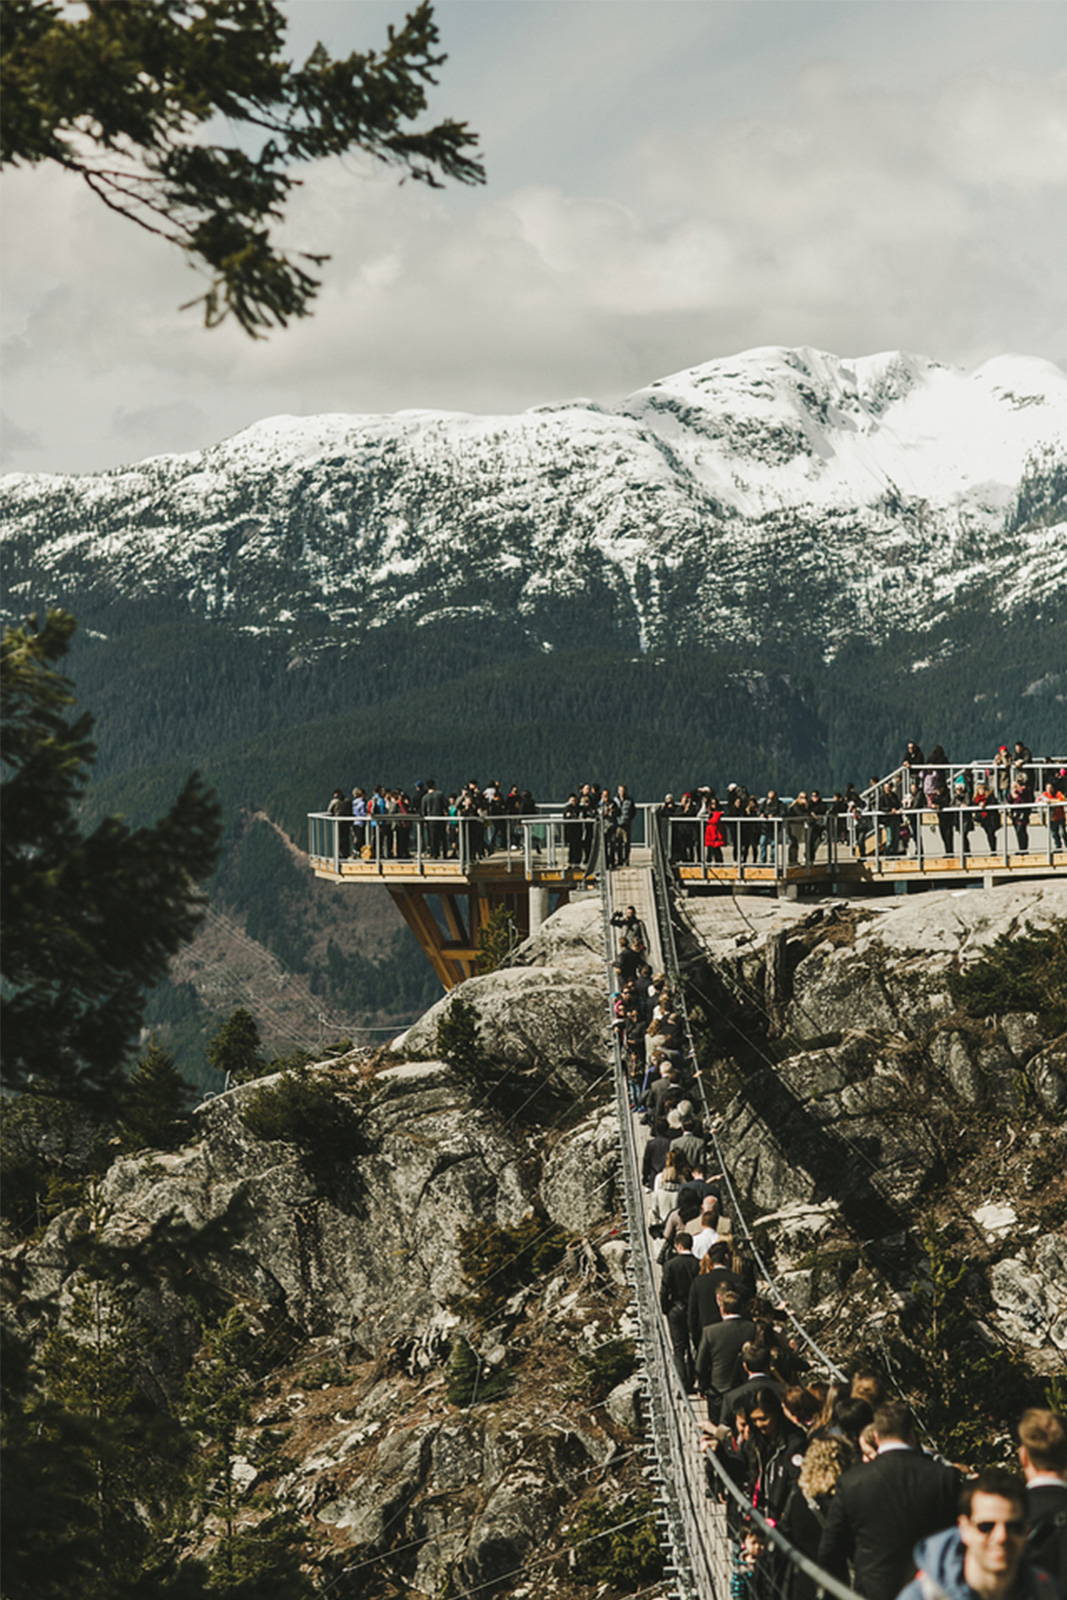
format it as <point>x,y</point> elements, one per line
<point>538,902</point>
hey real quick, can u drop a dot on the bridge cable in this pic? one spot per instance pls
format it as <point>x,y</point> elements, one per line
<point>690,1530</point>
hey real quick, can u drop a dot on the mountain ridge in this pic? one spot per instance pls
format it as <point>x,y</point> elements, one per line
<point>863,493</point>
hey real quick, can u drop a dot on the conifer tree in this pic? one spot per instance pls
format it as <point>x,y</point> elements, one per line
<point>49,1150</point>
<point>90,919</point>
<point>497,940</point>
<point>235,1049</point>
<point>89,1466</point>
<point>117,95</point>
<point>155,1101</point>
<point>49,1532</point>
<point>216,1406</point>
<point>459,1039</point>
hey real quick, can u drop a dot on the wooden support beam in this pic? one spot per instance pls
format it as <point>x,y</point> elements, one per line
<point>453,919</point>
<point>412,906</point>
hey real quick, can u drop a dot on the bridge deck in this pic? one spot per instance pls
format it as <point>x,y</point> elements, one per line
<point>894,869</point>
<point>632,885</point>
<point>511,872</point>
<point>489,870</point>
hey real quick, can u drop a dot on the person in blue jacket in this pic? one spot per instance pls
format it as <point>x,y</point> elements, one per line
<point>984,1556</point>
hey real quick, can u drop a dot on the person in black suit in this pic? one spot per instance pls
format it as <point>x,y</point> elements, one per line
<point>1043,1458</point>
<point>714,1275</point>
<point>678,1275</point>
<point>756,1374</point>
<point>718,1364</point>
<point>881,1509</point>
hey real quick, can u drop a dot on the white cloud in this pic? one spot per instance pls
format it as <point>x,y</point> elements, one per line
<point>856,220</point>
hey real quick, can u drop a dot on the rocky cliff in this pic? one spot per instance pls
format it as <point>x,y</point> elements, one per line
<point>430,1256</point>
<point>432,1264</point>
<point>884,1138</point>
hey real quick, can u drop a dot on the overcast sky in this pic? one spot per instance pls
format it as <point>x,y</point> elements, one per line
<point>668,181</point>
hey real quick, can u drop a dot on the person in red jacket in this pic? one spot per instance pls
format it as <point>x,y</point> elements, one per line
<point>714,838</point>
<point>1053,795</point>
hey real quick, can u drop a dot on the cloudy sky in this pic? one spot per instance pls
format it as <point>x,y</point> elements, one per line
<point>668,181</point>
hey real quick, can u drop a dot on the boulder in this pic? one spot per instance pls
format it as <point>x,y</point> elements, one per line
<point>369,1507</point>
<point>1029,1292</point>
<point>615,1254</point>
<point>546,1017</point>
<point>581,1178</point>
<point>625,1405</point>
<point>1046,1072</point>
<point>572,938</point>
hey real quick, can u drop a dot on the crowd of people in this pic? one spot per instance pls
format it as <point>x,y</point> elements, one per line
<point>963,800</point>
<point>742,826</point>
<point>379,822</point>
<point>474,821</point>
<point>836,1467</point>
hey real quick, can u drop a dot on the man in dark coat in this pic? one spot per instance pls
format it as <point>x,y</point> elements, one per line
<point>678,1275</point>
<point>434,808</point>
<point>1043,1458</point>
<point>703,1296</point>
<point>755,1362</point>
<point>882,1509</point>
<point>718,1365</point>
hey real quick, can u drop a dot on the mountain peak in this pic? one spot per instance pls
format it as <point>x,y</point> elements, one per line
<point>848,493</point>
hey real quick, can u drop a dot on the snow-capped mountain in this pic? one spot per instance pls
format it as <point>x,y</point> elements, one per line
<point>775,493</point>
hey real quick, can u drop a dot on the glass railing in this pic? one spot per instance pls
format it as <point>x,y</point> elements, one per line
<point>529,843</point>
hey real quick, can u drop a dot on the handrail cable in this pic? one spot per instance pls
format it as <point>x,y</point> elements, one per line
<point>739,984</point>
<point>689,1533</point>
<point>704,1523</point>
<point>746,991</point>
<point>810,1568</point>
<point>671,954</point>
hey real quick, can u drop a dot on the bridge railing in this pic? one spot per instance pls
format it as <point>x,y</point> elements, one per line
<point>544,842</point>
<point>699,1503</point>
<point>996,776</point>
<point>695,1527</point>
<point>1003,833</point>
<point>1035,831</point>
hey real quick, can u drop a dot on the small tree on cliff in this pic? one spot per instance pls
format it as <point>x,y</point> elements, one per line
<point>459,1038</point>
<point>235,1050</point>
<point>90,919</point>
<point>156,1101</point>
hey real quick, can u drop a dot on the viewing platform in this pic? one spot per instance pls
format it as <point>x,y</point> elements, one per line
<point>447,875</point>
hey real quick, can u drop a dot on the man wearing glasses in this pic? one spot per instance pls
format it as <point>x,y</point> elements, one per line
<point>983,1556</point>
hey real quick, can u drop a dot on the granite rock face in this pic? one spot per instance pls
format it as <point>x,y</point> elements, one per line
<point>358,1252</point>
<point>547,1016</point>
<point>260,1225</point>
<point>847,1076</point>
<point>581,1182</point>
